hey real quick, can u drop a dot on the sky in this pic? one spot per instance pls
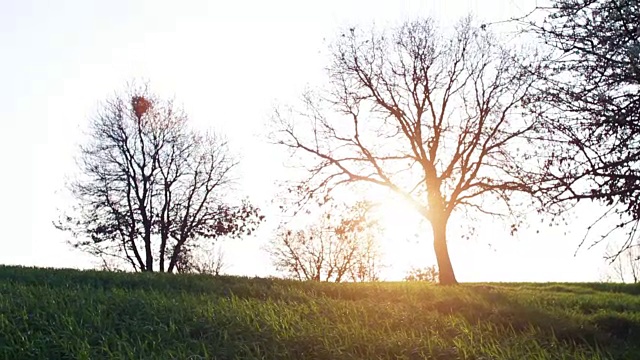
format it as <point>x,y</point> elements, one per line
<point>228,63</point>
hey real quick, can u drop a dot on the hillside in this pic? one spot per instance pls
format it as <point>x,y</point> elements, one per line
<point>69,314</point>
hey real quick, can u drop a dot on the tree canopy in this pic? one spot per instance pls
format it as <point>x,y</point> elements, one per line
<point>150,188</point>
<point>590,98</point>
<point>437,117</point>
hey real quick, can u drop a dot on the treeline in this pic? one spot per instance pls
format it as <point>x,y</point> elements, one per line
<point>453,121</point>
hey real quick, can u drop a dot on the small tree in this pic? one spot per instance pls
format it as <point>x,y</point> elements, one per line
<point>428,274</point>
<point>368,263</point>
<point>625,264</point>
<point>201,261</point>
<point>333,248</point>
<point>150,188</point>
<point>436,119</point>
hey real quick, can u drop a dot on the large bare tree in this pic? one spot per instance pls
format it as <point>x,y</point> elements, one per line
<point>149,187</point>
<point>435,116</point>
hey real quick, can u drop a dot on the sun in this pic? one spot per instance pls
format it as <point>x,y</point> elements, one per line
<point>405,237</point>
<point>399,218</point>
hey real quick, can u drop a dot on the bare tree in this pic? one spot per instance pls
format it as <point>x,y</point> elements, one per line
<point>368,263</point>
<point>625,266</point>
<point>149,185</point>
<point>435,118</point>
<point>201,261</point>
<point>333,248</point>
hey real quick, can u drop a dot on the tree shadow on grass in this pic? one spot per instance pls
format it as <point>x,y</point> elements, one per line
<point>631,289</point>
<point>577,288</point>
<point>613,329</point>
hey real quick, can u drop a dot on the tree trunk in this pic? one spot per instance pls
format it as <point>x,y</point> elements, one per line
<point>174,255</point>
<point>163,247</point>
<point>148,251</point>
<point>446,274</point>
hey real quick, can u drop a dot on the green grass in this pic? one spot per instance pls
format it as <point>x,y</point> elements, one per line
<point>69,314</point>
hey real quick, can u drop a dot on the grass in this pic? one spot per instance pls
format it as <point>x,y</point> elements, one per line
<point>70,314</point>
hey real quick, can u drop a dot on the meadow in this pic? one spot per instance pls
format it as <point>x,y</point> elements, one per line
<point>71,314</point>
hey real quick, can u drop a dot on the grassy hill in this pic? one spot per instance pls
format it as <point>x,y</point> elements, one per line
<point>69,314</point>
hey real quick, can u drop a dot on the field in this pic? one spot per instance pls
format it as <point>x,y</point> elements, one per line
<point>69,314</point>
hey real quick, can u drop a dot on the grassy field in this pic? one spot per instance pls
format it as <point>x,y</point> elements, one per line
<point>68,314</point>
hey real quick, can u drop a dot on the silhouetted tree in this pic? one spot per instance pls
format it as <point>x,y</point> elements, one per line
<point>339,245</point>
<point>150,188</point>
<point>428,274</point>
<point>435,118</point>
<point>592,96</point>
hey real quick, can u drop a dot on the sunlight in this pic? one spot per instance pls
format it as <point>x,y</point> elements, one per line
<point>398,218</point>
<point>406,242</point>
<point>405,239</point>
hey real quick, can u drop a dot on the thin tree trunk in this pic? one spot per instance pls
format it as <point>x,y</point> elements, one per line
<point>174,255</point>
<point>148,250</point>
<point>446,274</point>
<point>163,251</point>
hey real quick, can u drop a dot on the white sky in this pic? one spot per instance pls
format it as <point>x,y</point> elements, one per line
<point>227,62</point>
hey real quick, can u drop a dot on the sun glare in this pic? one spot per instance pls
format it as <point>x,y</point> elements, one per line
<point>405,239</point>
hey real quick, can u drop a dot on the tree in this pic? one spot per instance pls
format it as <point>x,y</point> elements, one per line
<point>368,260</point>
<point>149,187</point>
<point>436,119</point>
<point>428,274</point>
<point>591,90</point>
<point>201,261</point>
<point>625,266</point>
<point>332,248</point>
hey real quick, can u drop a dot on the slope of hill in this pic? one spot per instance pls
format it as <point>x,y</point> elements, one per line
<point>70,314</point>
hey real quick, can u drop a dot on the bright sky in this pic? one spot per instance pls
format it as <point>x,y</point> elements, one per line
<point>228,63</point>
